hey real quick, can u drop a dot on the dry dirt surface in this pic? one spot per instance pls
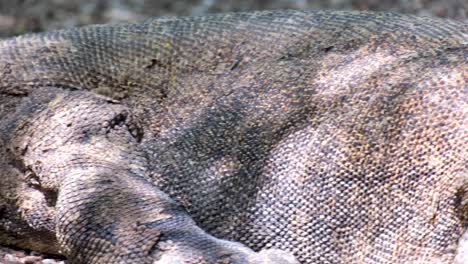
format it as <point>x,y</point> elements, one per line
<point>21,16</point>
<point>17,256</point>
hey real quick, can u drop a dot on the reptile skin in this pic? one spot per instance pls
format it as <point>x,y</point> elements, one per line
<point>336,137</point>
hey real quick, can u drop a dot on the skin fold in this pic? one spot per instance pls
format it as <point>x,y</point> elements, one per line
<point>263,137</point>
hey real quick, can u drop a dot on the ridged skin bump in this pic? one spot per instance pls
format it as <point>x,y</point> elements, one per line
<point>333,137</point>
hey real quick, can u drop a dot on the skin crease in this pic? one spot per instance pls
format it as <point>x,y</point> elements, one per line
<point>336,137</point>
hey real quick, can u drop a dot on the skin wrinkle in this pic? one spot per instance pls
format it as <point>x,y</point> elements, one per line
<point>335,136</point>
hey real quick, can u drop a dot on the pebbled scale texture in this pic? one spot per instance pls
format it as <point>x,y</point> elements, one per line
<point>339,137</point>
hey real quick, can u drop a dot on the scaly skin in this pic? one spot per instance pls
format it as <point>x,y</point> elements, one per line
<point>338,137</point>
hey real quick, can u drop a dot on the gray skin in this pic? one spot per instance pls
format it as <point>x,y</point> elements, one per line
<point>329,137</point>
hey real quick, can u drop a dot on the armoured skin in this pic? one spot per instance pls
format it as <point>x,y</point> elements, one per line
<point>333,137</point>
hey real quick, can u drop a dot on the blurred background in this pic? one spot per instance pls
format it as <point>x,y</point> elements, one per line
<point>22,16</point>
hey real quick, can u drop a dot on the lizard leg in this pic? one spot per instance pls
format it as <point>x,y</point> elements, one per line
<point>86,148</point>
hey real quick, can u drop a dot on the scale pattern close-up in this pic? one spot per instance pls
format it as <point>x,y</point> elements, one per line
<point>324,136</point>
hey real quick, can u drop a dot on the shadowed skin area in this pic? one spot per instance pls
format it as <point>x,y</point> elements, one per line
<point>333,137</point>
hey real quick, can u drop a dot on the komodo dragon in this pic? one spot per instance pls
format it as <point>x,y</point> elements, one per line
<point>338,137</point>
